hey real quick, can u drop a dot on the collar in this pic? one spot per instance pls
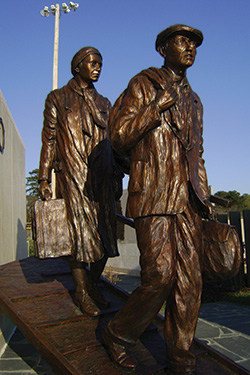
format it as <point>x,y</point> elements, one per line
<point>78,89</point>
<point>175,77</point>
<point>180,80</point>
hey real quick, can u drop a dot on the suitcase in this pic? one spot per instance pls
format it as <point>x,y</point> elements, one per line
<point>50,229</point>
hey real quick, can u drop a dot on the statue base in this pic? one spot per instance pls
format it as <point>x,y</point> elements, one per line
<point>37,296</point>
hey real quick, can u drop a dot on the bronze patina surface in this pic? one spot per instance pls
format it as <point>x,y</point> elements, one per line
<point>75,145</point>
<point>157,123</point>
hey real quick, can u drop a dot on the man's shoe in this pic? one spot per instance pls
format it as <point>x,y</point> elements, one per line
<point>96,294</point>
<point>118,352</point>
<point>85,303</point>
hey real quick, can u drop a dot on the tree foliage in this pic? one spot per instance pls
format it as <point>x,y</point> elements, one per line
<point>239,202</point>
<point>32,194</point>
<point>32,184</point>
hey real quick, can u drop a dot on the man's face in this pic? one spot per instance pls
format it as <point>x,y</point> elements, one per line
<point>90,68</point>
<point>180,52</point>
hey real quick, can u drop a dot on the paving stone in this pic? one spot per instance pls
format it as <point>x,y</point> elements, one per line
<point>14,365</point>
<point>236,344</point>
<point>206,330</point>
<point>21,358</point>
<point>233,356</point>
<point>233,316</point>
<point>245,364</point>
<point>25,351</point>
<point>9,354</point>
<point>31,372</point>
<point>225,330</point>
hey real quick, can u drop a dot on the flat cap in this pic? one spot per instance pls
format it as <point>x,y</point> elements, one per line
<point>176,29</point>
<point>81,54</point>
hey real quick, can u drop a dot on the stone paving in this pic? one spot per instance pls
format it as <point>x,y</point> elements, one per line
<point>21,358</point>
<point>223,326</point>
<point>226,327</point>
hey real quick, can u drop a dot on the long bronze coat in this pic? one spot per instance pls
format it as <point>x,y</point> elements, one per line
<point>165,149</point>
<point>74,142</point>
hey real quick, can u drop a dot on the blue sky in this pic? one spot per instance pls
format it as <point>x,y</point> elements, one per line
<point>125,31</point>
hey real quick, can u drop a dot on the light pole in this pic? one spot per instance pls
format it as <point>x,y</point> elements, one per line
<point>55,10</point>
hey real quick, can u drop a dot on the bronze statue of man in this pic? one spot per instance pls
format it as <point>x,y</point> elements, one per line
<point>157,122</point>
<point>75,144</point>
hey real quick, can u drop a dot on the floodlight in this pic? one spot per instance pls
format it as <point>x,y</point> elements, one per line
<point>65,8</point>
<point>52,9</point>
<point>45,12</point>
<point>73,6</point>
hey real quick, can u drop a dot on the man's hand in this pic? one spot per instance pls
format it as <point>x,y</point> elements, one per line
<point>45,191</point>
<point>165,99</point>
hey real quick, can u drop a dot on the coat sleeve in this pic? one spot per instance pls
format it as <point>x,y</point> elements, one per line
<point>47,155</point>
<point>202,174</point>
<point>136,116</point>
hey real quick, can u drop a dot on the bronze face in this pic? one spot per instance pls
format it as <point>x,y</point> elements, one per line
<point>180,52</point>
<point>90,68</point>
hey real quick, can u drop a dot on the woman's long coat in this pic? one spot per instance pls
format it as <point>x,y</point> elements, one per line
<point>75,144</point>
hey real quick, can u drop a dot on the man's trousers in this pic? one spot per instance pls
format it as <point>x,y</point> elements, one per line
<point>170,257</point>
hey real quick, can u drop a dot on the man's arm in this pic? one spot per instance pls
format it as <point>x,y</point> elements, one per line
<point>138,114</point>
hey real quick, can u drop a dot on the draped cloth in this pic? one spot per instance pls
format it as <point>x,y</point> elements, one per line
<point>182,112</point>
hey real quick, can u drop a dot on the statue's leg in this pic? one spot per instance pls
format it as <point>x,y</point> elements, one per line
<point>156,242</point>
<point>183,304</point>
<point>96,270</point>
<point>82,298</point>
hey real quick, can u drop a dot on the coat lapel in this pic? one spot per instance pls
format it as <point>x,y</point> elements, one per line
<point>78,115</point>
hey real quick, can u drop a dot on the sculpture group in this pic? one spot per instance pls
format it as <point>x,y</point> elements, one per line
<point>156,125</point>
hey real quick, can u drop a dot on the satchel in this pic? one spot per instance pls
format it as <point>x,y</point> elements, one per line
<point>221,250</point>
<point>50,229</point>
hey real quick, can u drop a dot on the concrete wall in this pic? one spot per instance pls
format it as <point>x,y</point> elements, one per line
<point>128,261</point>
<point>13,244</point>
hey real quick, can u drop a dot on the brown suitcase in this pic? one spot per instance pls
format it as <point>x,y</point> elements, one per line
<point>50,229</point>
